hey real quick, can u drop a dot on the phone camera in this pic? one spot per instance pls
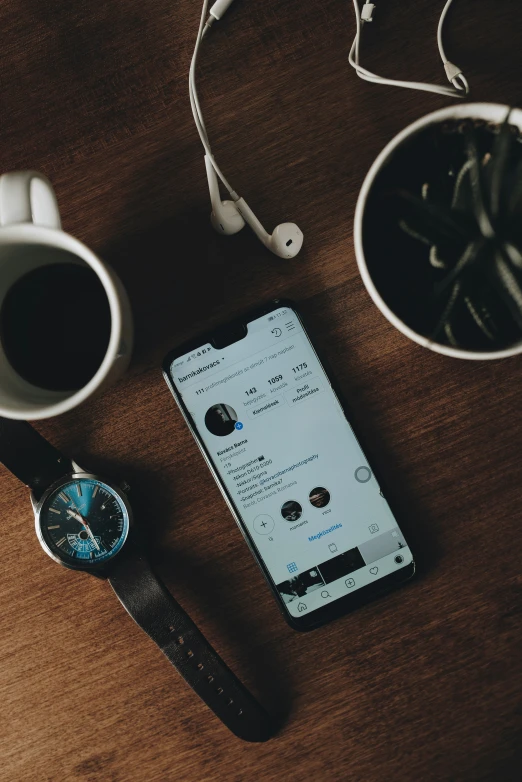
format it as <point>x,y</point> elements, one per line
<point>399,559</point>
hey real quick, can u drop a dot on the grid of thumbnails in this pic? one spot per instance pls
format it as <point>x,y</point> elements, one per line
<point>342,565</point>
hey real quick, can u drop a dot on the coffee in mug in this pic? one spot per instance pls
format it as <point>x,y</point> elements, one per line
<point>55,324</point>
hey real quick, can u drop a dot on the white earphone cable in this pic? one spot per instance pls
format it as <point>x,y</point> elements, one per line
<point>455,75</point>
<point>203,27</point>
<point>194,100</point>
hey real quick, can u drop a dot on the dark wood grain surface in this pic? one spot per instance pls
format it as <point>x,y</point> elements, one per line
<point>422,685</point>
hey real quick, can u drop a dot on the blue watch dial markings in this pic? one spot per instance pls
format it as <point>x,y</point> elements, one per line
<point>84,522</point>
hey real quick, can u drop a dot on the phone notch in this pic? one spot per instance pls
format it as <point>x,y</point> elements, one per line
<point>227,335</point>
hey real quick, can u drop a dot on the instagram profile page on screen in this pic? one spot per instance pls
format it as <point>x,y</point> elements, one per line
<point>278,437</point>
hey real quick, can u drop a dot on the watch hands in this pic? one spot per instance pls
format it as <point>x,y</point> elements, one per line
<point>78,516</point>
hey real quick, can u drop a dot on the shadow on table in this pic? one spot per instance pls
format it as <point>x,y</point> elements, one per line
<point>210,588</point>
<point>242,630</point>
<point>403,496</point>
<point>181,277</point>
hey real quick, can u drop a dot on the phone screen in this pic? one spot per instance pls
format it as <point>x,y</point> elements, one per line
<point>280,444</point>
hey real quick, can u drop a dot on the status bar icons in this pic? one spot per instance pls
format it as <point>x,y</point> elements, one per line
<point>199,353</point>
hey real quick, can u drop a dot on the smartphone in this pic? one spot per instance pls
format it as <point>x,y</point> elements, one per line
<point>278,442</point>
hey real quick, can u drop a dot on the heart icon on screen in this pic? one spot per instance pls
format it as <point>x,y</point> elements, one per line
<point>374,570</point>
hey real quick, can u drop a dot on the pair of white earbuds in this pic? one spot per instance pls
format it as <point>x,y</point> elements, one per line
<point>229,216</point>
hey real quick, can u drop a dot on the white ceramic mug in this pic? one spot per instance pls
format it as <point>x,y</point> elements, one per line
<point>30,236</point>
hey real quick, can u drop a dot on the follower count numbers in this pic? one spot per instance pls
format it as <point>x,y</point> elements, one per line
<point>251,391</point>
<point>300,367</point>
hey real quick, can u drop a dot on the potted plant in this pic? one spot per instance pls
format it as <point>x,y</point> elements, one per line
<point>438,231</point>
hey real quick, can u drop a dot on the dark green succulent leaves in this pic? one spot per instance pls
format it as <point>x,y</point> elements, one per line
<point>475,239</point>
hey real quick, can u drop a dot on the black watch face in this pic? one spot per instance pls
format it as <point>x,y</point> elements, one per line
<point>83,523</point>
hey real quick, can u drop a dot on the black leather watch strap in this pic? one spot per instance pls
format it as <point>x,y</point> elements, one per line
<point>154,609</point>
<point>30,457</point>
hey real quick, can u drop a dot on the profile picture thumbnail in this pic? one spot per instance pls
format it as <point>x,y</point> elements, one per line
<point>291,510</point>
<point>220,419</point>
<point>319,497</point>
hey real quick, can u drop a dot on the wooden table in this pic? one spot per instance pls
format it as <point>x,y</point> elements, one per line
<point>423,685</point>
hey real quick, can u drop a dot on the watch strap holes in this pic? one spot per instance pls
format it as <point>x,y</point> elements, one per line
<point>210,679</point>
<point>200,666</point>
<point>230,701</point>
<point>240,713</point>
<point>219,690</point>
<point>190,653</point>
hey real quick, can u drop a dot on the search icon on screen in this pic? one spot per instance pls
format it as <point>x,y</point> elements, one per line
<point>324,593</point>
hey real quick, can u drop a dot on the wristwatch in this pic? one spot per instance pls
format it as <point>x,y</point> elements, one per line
<point>85,522</point>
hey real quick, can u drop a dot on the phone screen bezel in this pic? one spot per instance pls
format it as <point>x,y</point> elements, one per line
<point>344,604</point>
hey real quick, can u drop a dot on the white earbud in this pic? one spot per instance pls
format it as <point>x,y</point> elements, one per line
<point>225,217</point>
<point>219,8</point>
<point>285,241</point>
<point>228,217</point>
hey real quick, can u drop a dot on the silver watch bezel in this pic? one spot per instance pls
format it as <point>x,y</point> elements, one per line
<point>38,505</point>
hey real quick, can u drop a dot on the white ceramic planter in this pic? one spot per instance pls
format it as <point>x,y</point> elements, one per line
<point>491,112</point>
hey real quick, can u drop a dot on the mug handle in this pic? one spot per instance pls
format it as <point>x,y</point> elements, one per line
<point>28,197</point>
